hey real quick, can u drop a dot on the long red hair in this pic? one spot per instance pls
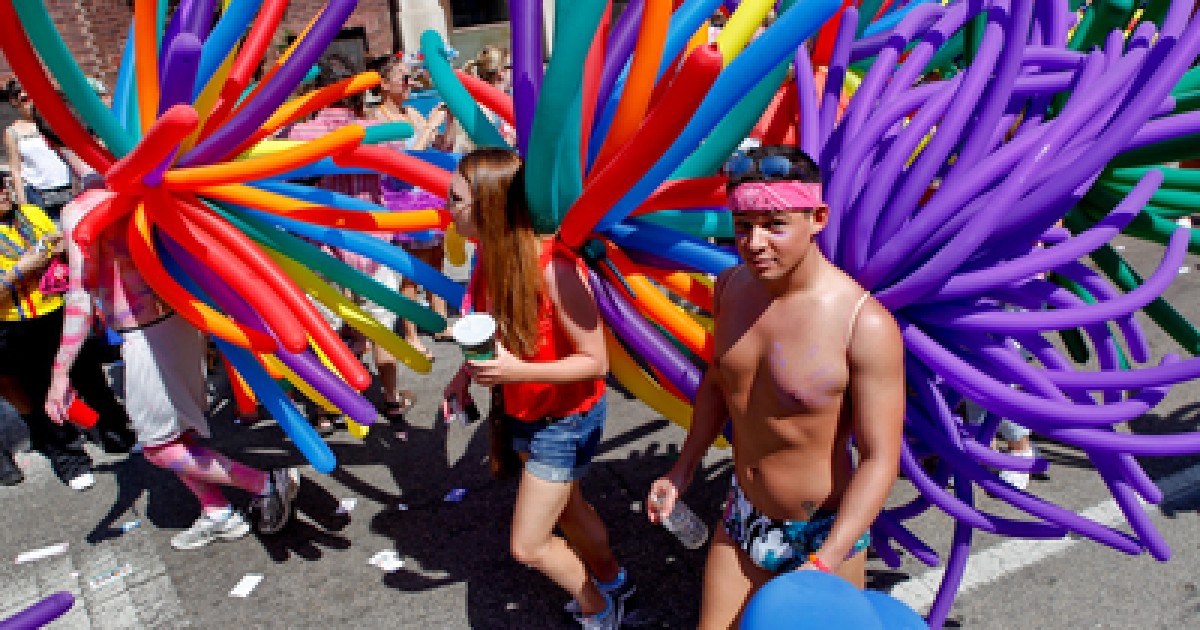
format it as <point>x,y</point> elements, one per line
<point>509,249</point>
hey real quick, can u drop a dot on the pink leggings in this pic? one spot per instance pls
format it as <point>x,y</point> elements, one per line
<point>203,471</point>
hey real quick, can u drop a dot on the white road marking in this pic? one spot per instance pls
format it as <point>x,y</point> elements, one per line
<point>997,561</point>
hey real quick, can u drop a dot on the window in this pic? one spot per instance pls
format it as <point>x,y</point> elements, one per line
<point>474,12</point>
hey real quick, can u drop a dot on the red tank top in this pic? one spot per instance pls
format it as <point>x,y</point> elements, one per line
<point>531,402</point>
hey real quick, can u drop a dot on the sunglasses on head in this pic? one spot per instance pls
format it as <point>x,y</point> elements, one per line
<point>767,166</point>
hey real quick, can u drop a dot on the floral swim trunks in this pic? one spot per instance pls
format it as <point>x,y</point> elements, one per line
<point>773,544</point>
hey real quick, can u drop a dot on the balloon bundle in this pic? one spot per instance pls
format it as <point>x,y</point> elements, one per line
<point>973,129</point>
<point>952,137</point>
<point>199,188</point>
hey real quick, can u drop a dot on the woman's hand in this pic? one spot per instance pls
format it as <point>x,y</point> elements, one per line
<point>55,244</point>
<point>505,368</point>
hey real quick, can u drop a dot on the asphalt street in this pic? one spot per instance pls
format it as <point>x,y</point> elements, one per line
<point>456,571</point>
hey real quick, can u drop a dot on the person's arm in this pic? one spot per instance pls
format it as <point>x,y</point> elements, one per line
<point>425,130</point>
<point>14,165</point>
<point>580,318</point>
<point>77,312</point>
<point>709,413</point>
<point>877,412</point>
<point>32,262</point>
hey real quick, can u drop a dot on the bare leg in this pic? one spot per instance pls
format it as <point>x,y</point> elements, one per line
<point>539,505</point>
<point>730,578</point>
<point>434,256</point>
<point>408,289</point>
<point>587,534</point>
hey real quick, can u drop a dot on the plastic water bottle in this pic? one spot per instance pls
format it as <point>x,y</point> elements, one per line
<point>687,527</point>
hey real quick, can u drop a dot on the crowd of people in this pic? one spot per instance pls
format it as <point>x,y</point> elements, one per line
<point>800,499</point>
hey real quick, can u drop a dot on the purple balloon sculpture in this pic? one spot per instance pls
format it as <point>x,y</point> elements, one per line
<point>41,613</point>
<point>939,199</point>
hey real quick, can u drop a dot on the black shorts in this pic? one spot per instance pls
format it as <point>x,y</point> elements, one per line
<point>29,344</point>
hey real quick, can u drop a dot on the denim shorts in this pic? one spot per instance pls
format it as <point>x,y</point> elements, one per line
<point>560,449</point>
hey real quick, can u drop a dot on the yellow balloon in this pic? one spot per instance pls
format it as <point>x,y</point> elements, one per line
<point>351,313</point>
<point>456,247</point>
<point>633,378</point>
<point>740,28</point>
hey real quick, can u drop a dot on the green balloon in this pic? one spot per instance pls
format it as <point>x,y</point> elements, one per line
<point>1114,266</point>
<point>553,174</point>
<point>481,130</point>
<point>335,270</point>
<point>49,44</point>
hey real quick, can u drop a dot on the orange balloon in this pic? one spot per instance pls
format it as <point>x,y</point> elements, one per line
<point>145,52</point>
<point>635,99</point>
<point>262,167</point>
<point>683,284</point>
<point>282,205</point>
<point>302,106</point>
<point>247,405</point>
<point>489,96</point>
<point>651,302</point>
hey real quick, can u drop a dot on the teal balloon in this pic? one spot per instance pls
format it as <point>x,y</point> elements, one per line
<point>893,613</point>
<point>460,102</point>
<point>125,95</point>
<point>701,223</point>
<point>387,132</point>
<point>49,44</point>
<point>333,269</point>
<point>809,600</point>
<point>553,174</point>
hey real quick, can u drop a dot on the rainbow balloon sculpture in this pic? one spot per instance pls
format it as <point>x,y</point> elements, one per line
<point>954,139</point>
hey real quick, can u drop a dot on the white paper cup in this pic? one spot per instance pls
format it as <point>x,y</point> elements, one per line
<point>476,335</point>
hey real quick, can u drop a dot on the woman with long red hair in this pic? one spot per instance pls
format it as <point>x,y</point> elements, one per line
<point>547,380</point>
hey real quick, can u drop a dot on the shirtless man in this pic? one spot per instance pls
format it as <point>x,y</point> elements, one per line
<point>804,359</point>
<point>164,375</point>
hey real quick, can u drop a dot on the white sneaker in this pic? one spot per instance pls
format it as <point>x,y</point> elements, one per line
<point>1017,479</point>
<point>207,529</point>
<point>82,482</point>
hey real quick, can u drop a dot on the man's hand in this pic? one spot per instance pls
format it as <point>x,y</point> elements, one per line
<point>505,368</point>
<point>58,399</point>
<point>664,492</point>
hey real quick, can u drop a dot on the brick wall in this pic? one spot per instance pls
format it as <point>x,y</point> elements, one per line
<point>95,30</point>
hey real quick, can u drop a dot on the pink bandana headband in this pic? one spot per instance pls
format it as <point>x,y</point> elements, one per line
<point>775,196</point>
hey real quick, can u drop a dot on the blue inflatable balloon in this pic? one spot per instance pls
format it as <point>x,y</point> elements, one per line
<point>808,600</point>
<point>893,613</point>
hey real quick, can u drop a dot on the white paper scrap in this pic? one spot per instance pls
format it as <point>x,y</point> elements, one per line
<point>108,577</point>
<point>246,585</point>
<point>388,561</point>
<point>43,553</point>
<point>346,506</point>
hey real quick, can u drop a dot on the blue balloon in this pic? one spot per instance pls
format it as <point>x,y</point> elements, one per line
<point>893,613</point>
<point>222,39</point>
<point>799,600</point>
<point>692,252</point>
<point>124,102</point>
